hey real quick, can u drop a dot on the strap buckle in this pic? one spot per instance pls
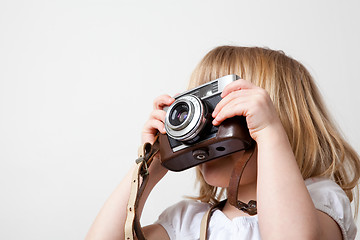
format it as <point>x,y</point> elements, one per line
<point>145,166</point>
<point>249,208</point>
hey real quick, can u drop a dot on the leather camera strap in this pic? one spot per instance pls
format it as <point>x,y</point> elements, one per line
<point>138,184</point>
<point>140,179</point>
<point>249,208</point>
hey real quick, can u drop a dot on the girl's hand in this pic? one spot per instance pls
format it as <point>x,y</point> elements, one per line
<point>155,123</point>
<point>110,222</point>
<point>242,98</point>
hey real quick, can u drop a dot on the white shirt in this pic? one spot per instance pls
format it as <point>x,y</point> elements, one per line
<point>182,220</point>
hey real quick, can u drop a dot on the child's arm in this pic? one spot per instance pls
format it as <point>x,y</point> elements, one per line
<point>110,222</point>
<point>285,208</point>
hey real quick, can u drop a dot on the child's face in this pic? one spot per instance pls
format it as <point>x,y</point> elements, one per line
<point>218,172</point>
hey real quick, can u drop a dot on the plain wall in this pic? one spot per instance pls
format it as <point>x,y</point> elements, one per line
<point>77,81</point>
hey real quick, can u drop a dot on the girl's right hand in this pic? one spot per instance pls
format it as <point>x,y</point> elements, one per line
<point>155,123</point>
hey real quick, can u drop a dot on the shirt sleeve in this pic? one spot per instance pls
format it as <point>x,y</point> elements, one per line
<point>182,220</point>
<point>329,198</point>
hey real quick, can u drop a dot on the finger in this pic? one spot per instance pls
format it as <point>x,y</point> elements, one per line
<point>147,139</point>
<point>152,126</point>
<point>162,101</point>
<point>236,107</point>
<point>158,115</point>
<point>236,85</point>
<point>223,102</point>
<point>228,98</point>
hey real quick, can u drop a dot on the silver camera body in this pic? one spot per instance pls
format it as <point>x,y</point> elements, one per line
<point>191,138</point>
<point>188,119</point>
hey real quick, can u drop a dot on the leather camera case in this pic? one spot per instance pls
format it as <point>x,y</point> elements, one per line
<point>232,136</point>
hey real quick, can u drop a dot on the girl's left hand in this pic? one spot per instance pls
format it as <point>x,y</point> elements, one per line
<point>242,98</point>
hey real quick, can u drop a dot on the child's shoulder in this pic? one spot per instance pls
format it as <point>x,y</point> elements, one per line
<point>183,219</point>
<point>324,188</point>
<point>326,193</point>
<point>321,182</point>
<point>188,207</point>
<point>331,199</point>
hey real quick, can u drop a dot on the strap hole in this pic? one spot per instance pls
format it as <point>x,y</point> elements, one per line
<point>220,149</point>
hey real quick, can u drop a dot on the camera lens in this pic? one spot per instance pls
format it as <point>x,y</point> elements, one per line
<point>179,114</point>
<point>185,118</point>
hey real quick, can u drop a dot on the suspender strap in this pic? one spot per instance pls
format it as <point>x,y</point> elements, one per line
<point>138,184</point>
<point>206,219</point>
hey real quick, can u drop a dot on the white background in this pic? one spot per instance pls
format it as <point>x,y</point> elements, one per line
<point>77,81</point>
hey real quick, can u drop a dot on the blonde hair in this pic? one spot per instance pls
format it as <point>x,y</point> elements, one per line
<point>319,148</point>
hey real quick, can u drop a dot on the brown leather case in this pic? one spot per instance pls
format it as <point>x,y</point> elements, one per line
<point>232,136</point>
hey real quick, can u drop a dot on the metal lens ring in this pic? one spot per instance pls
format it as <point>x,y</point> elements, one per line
<point>185,118</point>
<point>180,114</point>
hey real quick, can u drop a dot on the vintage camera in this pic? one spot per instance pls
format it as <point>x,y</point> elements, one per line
<point>190,137</point>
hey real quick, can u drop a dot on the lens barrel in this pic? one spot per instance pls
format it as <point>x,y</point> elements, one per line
<point>179,114</point>
<point>185,118</point>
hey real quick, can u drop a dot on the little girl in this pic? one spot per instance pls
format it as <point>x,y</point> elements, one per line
<point>303,174</point>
